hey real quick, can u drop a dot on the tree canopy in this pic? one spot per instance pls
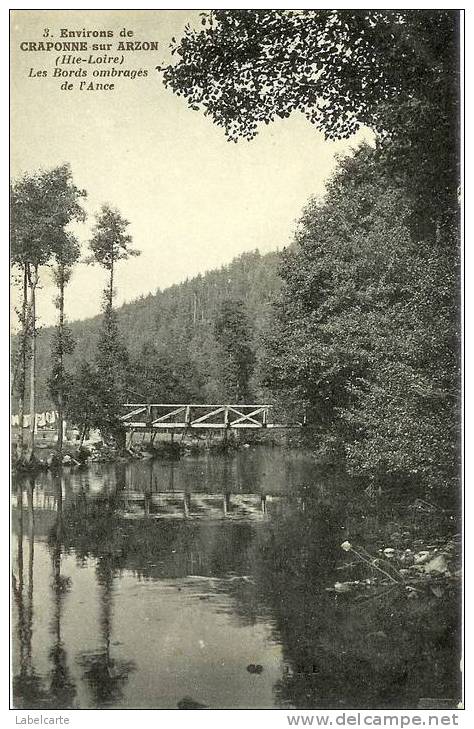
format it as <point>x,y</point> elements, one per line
<point>42,205</point>
<point>110,241</point>
<point>338,67</point>
<point>395,71</point>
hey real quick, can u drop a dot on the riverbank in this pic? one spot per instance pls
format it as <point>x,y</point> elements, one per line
<point>46,456</point>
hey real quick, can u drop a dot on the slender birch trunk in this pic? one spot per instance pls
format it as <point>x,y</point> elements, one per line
<point>33,284</point>
<point>22,374</point>
<point>83,434</point>
<point>60,362</point>
<point>111,286</point>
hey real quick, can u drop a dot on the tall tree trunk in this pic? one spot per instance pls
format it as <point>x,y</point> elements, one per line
<point>83,434</point>
<point>194,309</point>
<point>33,284</point>
<point>22,374</point>
<point>56,564</point>
<point>111,285</point>
<point>30,591</point>
<point>60,362</point>
<point>19,583</point>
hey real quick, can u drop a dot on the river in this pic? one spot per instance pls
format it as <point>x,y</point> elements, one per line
<point>203,582</point>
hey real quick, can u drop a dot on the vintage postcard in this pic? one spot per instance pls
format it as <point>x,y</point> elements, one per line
<point>235,255</point>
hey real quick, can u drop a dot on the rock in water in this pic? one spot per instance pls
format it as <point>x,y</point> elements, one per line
<point>254,668</point>
<point>437,564</point>
<point>189,703</point>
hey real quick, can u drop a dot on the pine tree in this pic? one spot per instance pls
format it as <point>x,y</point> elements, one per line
<point>233,333</point>
<point>110,243</point>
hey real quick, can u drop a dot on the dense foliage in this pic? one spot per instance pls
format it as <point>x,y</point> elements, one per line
<point>42,205</point>
<point>339,67</point>
<point>368,330</point>
<point>234,335</point>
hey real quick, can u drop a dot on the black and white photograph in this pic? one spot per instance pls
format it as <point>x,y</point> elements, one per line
<point>236,363</point>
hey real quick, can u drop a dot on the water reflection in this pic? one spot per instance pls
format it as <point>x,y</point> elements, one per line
<point>30,689</point>
<point>150,590</point>
<point>105,674</point>
<point>62,687</point>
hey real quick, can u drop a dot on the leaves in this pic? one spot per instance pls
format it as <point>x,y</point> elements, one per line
<point>110,243</point>
<point>42,205</point>
<point>339,68</point>
<point>367,329</point>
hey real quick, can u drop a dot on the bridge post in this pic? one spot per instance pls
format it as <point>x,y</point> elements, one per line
<point>149,420</point>
<point>225,503</point>
<point>226,422</point>
<point>146,503</point>
<point>186,504</point>
<point>130,438</point>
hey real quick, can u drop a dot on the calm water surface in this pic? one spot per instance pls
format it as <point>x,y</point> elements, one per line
<point>159,584</point>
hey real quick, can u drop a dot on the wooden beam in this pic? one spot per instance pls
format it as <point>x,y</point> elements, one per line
<point>219,410</point>
<point>130,438</point>
<point>248,416</point>
<point>214,426</point>
<point>169,415</point>
<point>134,412</point>
<point>193,405</point>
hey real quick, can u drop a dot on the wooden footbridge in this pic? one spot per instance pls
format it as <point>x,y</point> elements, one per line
<point>172,417</point>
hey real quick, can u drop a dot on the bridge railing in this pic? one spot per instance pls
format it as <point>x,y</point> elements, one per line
<point>163,416</point>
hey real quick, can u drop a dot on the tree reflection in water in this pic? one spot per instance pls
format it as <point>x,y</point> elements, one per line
<point>93,530</point>
<point>105,674</point>
<point>27,688</point>
<point>62,688</point>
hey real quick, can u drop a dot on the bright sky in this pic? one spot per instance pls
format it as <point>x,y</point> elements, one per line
<point>194,200</point>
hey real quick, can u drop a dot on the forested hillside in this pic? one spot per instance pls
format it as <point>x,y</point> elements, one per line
<point>171,337</point>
